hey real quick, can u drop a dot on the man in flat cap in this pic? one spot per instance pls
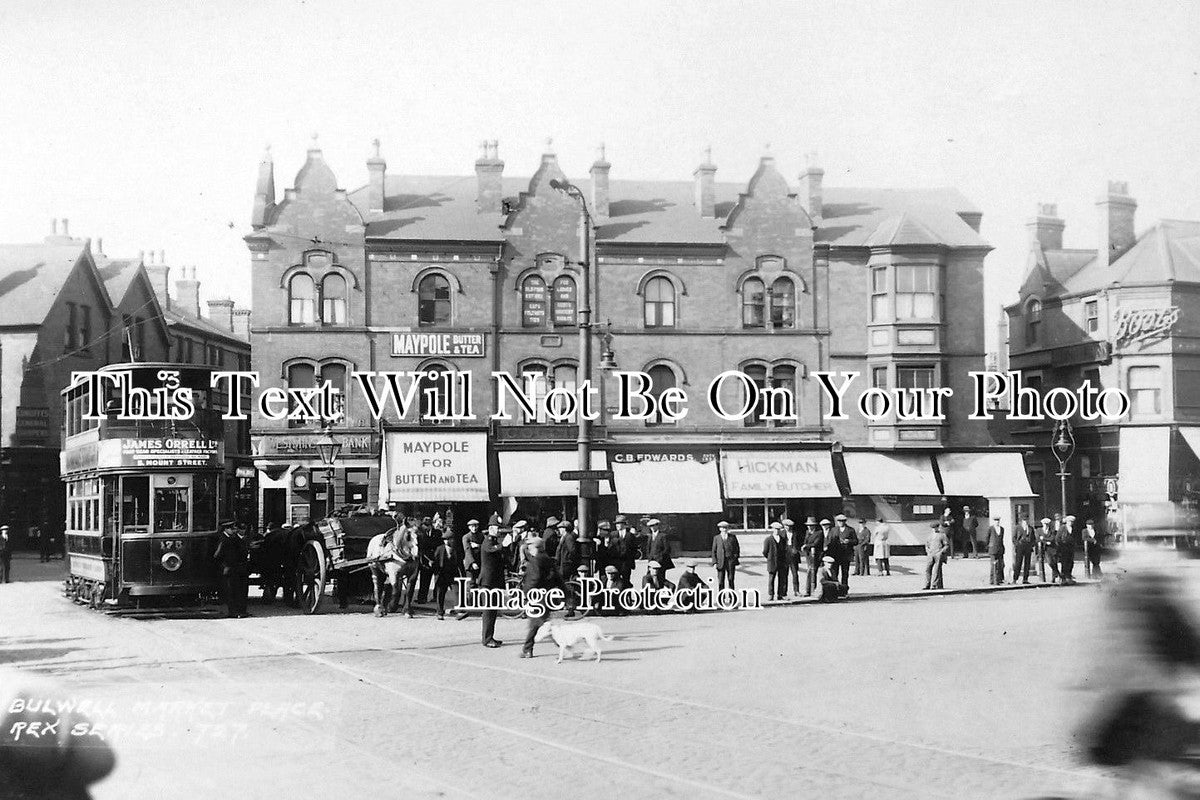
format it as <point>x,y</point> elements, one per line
<point>232,560</point>
<point>814,550</point>
<point>540,573</point>
<point>862,550</point>
<point>937,550</point>
<point>831,588</point>
<point>726,552</point>
<point>795,542</point>
<point>841,547</point>
<point>995,550</point>
<point>657,547</point>
<point>690,585</point>
<point>446,568</point>
<point>1066,550</point>
<point>567,554</point>
<point>774,551</point>
<point>623,548</point>
<point>970,526</point>
<point>471,541</point>
<point>491,575</point>
<point>1091,550</point>
<point>1023,542</point>
<point>1046,550</point>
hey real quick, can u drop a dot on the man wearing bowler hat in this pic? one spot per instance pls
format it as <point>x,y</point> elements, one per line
<point>491,575</point>
<point>725,555</point>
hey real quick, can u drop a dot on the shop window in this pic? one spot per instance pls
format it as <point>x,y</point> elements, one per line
<point>783,377</point>
<point>533,302</point>
<point>658,303</point>
<point>433,301</point>
<point>357,482</point>
<point>783,303</point>
<point>302,298</point>
<point>135,504</point>
<point>879,295</point>
<point>564,301</point>
<point>755,514</point>
<point>754,302</point>
<point>663,378</point>
<point>1033,323</point>
<point>1091,316</point>
<point>333,299</point>
<point>1145,391</point>
<point>299,376</point>
<point>916,292</point>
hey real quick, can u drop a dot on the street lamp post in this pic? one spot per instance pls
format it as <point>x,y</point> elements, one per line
<point>328,449</point>
<point>1062,441</point>
<point>584,426</point>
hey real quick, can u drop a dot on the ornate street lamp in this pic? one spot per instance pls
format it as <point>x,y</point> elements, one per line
<point>1062,442</point>
<point>328,448</point>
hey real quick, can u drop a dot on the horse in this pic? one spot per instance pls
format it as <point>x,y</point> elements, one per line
<point>393,568</point>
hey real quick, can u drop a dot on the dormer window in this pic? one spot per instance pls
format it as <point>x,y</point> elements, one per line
<point>1033,322</point>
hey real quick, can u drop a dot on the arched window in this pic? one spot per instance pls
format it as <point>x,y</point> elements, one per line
<point>754,304</point>
<point>564,301</point>
<point>783,376</point>
<point>432,401</point>
<point>663,378</point>
<point>757,373</point>
<point>542,387</point>
<point>783,303</point>
<point>333,299</point>
<point>302,297</point>
<point>659,303</point>
<point>300,376</point>
<point>533,302</point>
<point>433,301</point>
<point>1033,322</point>
<point>335,374</point>
<point>564,377</point>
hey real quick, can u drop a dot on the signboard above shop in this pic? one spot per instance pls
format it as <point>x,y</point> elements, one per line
<point>778,473</point>
<point>436,466</point>
<point>305,444</point>
<point>450,345</point>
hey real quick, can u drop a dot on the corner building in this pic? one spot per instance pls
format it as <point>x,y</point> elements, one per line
<point>481,273</point>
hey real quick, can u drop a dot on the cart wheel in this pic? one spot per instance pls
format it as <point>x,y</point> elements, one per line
<point>97,596</point>
<point>312,576</point>
<point>512,582</point>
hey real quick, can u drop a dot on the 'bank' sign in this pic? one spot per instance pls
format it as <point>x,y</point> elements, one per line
<point>456,345</point>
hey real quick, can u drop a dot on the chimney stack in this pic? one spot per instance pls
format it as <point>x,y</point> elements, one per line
<point>220,313</point>
<point>376,172</point>
<point>706,190</point>
<point>241,323</point>
<point>159,275</point>
<point>811,192</point>
<point>489,172</point>
<point>264,192</point>
<point>66,227</point>
<point>1116,223</point>
<point>1047,227</point>
<point>187,292</point>
<point>599,174</point>
<point>54,227</point>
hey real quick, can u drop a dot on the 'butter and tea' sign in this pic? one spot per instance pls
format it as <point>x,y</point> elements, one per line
<point>428,466</point>
<point>455,345</point>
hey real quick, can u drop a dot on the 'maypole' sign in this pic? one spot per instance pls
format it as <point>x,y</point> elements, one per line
<point>437,466</point>
<point>423,345</point>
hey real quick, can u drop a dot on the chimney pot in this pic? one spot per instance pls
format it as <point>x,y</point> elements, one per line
<point>599,173</point>
<point>706,191</point>
<point>54,227</point>
<point>187,292</point>
<point>489,175</point>
<point>376,179</point>
<point>1047,228</point>
<point>66,227</point>
<point>220,313</point>
<point>100,245</point>
<point>812,189</point>
<point>1117,233</point>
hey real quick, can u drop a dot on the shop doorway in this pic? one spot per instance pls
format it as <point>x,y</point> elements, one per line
<point>274,507</point>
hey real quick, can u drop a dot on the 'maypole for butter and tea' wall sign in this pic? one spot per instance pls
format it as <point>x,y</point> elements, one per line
<point>435,467</point>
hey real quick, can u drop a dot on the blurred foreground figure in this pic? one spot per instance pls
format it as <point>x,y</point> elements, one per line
<point>48,751</point>
<point>1146,721</point>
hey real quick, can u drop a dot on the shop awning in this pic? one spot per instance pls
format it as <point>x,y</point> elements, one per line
<point>1192,437</point>
<point>667,485</point>
<point>534,473</point>
<point>884,473</point>
<point>1144,476</point>
<point>778,473</point>
<point>430,466</point>
<point>984,475</point>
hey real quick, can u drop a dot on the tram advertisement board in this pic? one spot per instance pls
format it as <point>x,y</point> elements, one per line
<point>167,452</point>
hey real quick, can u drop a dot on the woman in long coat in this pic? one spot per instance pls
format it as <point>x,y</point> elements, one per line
<point>881,548</point>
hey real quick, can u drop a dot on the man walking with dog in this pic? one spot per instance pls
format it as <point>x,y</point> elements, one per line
<point>540,573</point>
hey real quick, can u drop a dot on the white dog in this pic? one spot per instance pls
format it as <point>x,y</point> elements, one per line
<point>568,634</point>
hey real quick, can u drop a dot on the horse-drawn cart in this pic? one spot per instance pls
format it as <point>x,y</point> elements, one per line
<point>334,548</point>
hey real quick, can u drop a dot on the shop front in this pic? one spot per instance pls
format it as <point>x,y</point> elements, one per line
<point>999,478</point>
<point>680,487</point>
<point>531,489</point>
<point>1158,487</point>
<point>900,488</point>
<point>293,483</point>
<point>430,472</point>
<point>765,486</point>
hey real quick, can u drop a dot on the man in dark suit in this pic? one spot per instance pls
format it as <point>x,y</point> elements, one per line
<point>841,547</point>
<point>995,549</point>
<point>491,576</point>
<point>795,543</point>
<point>725,555</point>
<point>813,548</point>
<point>427,542</point>
<point>231,558</point>
<point>1023,539</point>
<point>446,568</point>
<point>970,526</point>
<point>551,537</point>
<point>1066,549</point>
<point>540,573</point>
<point>568,556</point>
<point>612,586</point>
<point>775,552</point>
<point>623,549</point>
<point>658,548</point>
<point>690,586</point>
<point>1046,549</point>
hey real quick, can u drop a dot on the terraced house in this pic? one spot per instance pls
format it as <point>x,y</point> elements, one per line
<point>773,275</point>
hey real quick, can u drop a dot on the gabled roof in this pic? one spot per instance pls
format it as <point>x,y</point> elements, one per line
<point>442,207</point>
<point>118,274</point>
<point>902,229</point>
<point>1170,251</point>
<point>32,275</point>
<point>200,326</point>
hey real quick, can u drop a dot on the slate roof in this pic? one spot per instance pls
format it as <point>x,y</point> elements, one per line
<point>442,207</point>
<point>205,327</point>
<point>1170,251</point>
<point>117,274</point>
<point>31,277</point>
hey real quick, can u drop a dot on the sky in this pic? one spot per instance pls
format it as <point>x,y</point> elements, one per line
<point>144,122</point>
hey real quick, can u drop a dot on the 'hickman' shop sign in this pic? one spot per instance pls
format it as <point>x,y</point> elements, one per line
<point>778,473</point>
<point>434,467</point>
<point>456,345</point>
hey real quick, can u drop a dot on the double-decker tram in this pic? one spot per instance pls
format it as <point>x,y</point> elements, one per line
<point>143,493</point>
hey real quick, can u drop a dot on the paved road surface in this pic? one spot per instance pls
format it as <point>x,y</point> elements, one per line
<point>934,697</point>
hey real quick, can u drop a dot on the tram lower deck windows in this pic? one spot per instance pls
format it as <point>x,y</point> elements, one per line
<point>171,510</point>
<point>135,503</point>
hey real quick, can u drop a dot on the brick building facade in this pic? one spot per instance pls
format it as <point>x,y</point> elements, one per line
<point>772,278</point>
